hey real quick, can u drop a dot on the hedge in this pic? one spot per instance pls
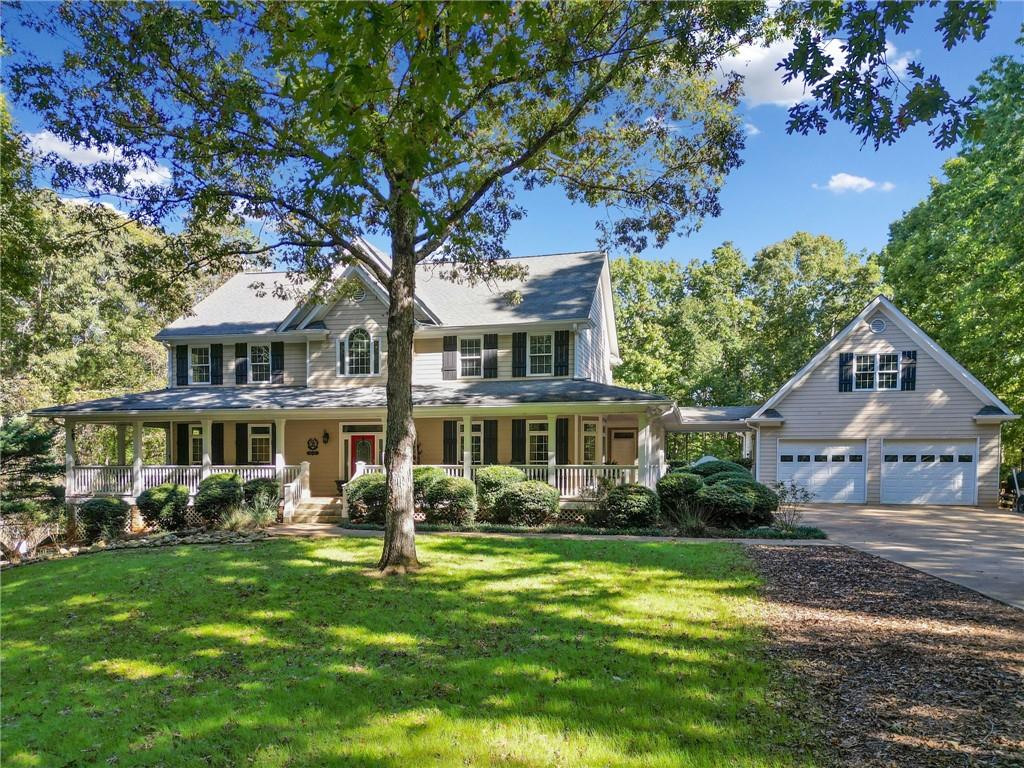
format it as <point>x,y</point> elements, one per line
<point>423,479</point>
<point>164,506</point>
<point>451,500</point>
<point>725,506</point>
<point>264,489</point>
<point>218,494</point>
<point>625,506</point>
<point>102,516</point>
<point>528,503</point>
<point>492,481</point>
<point>366,497</point>
<point>764,499</point>
<point>713,467</point>
<point>728,475</point>
<point>676,494</point>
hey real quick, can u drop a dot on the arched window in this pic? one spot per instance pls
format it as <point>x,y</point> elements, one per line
<point>359,354</point>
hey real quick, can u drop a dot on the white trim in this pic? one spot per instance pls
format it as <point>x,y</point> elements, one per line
<point>270,364</point>
<point>529,356</point>
<point>248,442</point>
<point>947,439</point>
<point>209,365</point>
<point>480,357</point>
<point>342,349</point>
<point>544,326</point>
<point>877,371</point>
<point>547,433</point>
<point>865,459</point>
<point>909,327</point>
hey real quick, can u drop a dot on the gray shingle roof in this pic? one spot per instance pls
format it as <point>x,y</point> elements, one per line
<point>991,410</point>
<point>717,413</point>
<point>273,398</point>
<point>237,307</point>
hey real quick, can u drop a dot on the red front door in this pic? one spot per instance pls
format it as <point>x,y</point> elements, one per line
<point>363,449</point>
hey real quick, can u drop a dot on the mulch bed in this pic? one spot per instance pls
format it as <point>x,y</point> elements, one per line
<point>892,666</point>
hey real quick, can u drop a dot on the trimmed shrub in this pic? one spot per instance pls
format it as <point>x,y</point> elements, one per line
<point>725,506</point>
<point>423,479</point>
<point>492,481</point>
<point>528,503</point>
<point>676,494</point>
<point>764,499</point>
<point>366,497</point>
<point>103,516</point>
<point>264,489</point>
<point>451,500</point>
<point>164,506</point>
<point>713,467</point>
<point>628,506</point>
<point>718,477</point>
<point>218,494</point>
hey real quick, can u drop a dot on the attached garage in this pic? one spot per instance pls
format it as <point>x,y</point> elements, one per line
<point>929,472</point>
<point>833,470</point>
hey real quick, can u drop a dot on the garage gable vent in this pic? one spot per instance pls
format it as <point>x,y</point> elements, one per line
<point>877,325</point>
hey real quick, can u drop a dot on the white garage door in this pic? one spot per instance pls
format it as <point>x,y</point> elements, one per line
<point>832,470</point>
<point>929,472</point>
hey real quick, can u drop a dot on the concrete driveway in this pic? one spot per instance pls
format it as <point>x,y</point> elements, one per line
<point>978,548</point>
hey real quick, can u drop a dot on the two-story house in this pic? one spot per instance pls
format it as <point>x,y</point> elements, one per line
<point>263,385</point>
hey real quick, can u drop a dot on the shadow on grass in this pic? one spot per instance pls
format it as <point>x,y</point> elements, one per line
<point>501,651</point>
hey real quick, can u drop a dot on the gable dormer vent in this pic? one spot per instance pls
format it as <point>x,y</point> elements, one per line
<point>877,325</point>
<point>359,296</point>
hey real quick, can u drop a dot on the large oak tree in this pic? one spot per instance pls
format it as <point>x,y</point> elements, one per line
<point>423,122</point>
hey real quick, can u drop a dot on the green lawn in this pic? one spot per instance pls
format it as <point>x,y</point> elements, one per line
<point>501,652</point>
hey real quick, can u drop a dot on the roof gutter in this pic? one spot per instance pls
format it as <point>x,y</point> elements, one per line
<point>212,337</point>
<point>996,418</point>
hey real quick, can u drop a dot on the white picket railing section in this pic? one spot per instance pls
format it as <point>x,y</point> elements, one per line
<point>102,479</point>
<point>117,480</point>
<point>158,474</point>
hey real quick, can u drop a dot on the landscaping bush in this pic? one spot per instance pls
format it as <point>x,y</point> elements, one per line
<point>164,506</point>
<point>103,517</point>
<point>264,489</point>
<point>676,495</point>
<point>491,482</point>
<point>452,501</point>
<point>764,499</point>
<point>218,494</point>
<point>626,506</point>
<point>729,475</point>
<point>726,506</point>
<point>713,467</point>
<point>423,479</point>
<point>528,503</point>
<point>366,497</point>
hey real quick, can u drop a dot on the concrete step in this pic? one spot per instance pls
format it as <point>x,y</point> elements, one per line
<point>316,518</point>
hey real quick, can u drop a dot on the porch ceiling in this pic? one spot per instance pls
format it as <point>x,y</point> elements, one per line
<point>228,398</point>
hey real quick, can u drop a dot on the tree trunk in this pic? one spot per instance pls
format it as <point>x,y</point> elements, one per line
<point>399,553</point>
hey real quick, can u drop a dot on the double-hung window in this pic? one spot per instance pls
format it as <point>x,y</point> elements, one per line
<point>260,450</point>
<point>471,357</point>
<point>888,371</point>
<point>877,371</point>
<point>476,442</point>
<point>537,442</point>
<point>259,363</point>
<point>195,444</point>
<point>864,372</point>
<point>590,435</point>
<point>541,357</point>
<point>199,365</point>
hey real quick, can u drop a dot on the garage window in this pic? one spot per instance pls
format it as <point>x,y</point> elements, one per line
<point>946,458</point>
<point>892,457</point>
<point>928,458</point>
<point>909,457</point>
<point>839,458</point>
<point>788,457</point>
<point>966,458</point>
<point>803,457</point>
<point>820,457</point>
<point>855,457</point>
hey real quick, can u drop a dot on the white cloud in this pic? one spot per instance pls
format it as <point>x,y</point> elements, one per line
<point>762,82</point>
<point>146,172</point>
<point>751,129</point>
<point>841,183</point>
<point>84,201</point>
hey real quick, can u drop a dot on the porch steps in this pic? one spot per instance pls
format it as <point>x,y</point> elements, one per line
<point>319,509</point>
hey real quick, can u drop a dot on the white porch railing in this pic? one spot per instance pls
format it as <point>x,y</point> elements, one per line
<point>118,480</point>
<point>102,479</point>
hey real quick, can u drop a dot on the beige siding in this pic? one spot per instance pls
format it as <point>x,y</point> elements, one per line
<point>294,364</point>
<point>343,317</point>
<point>940,407</point>
<point>324,466</point>
<point>428,353</point>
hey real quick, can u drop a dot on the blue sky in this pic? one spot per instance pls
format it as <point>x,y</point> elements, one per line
<point>828,184</point>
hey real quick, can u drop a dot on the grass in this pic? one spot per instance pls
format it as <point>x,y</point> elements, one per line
<point>286,653</point>
<point>797,532</point>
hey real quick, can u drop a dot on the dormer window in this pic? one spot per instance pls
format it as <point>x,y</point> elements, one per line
<point>358,354</point>
<point>259,363</point>
<point>540,360</point>
<point>877,372</point>
<point>199,365</point>
<point>471,357</point>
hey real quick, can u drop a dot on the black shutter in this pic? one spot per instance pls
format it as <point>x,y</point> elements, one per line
<point>519,441</point>
<point>908,371</point>
<point>490,441</point>
<point>273,442</point>
<point>490,356</point>
<point>376,357</point>
<point>561,441</point>
<point>341,357</point>
<point>217,439</point>
<point>451,443</point>
<point>181,363</point>
<point>518,354</point>
<point>241,363</point>
<point>561,353</point>
<point>450,358</point>
<point>216,363</point>
<point>183,446</point>
<point>846,372</point>
<point>277,362</point>
<point>241,443</point>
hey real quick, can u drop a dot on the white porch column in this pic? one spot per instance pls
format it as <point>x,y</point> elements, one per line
<point>552,456</point>
<point>279,448</point>
<point>467,446</point>
<point>121,447</point>
<point>746,444</point>
<point>137,458</point>
<point>207,426</point>
<point>69,457</point>
<point>643,447</point>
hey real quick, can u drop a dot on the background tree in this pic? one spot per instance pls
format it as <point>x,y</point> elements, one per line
<point>415,121</point>
<point>28,473</point>
<point>956,260</point>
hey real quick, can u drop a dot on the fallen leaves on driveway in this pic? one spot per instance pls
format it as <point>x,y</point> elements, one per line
<point>901,668</point>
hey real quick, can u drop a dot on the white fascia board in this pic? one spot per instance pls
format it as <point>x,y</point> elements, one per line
<point>296,335</point>
<point>429,331</point>
<point>605,285</point>
<point>996,419</point>
<point>757,423</point>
